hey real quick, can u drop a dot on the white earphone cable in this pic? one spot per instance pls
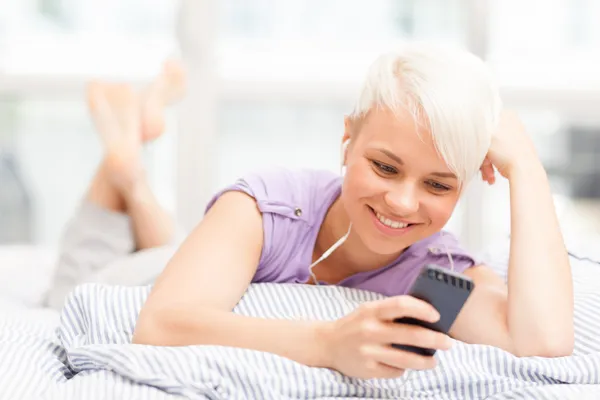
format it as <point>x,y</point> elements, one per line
<point>327,253</point>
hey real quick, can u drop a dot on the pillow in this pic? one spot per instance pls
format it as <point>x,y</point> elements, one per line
<point>25,274</point>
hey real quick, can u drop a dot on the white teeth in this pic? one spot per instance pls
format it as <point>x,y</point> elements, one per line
<point>390,223</point>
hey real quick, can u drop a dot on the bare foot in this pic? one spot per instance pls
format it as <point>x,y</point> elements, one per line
<point>168,87</point>
<point>125,119</point>
<point>115,109</point>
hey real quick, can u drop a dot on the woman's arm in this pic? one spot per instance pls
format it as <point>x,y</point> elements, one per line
<point>192,300</point>
<point>540,308</point>
<point>535,315</point>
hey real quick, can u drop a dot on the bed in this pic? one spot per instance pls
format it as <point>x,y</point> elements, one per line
<point>84,351</point>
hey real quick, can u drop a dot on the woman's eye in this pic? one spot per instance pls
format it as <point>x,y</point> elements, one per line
<point>384,168</point>
<point>438,187</point>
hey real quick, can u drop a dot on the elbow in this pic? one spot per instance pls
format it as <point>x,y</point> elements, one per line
<point>559,348</point>
<point>170,326</point>
<point>143,336</point>
<point>550,347</point>
<point>147,329</point>
<point>155,327</point>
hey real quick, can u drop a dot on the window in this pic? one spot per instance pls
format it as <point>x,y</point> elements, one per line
<point>288,71</point>
<point>268,76</point>
<point>546,55</point>
<point>49,49</point>
<point>341,21</point>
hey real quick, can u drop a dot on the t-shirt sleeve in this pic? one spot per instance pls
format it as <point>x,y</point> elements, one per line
<point>278,206</point>
<point>446,251</point>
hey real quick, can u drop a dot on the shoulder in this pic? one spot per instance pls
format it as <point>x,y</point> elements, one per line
<point>295,193</point>
<point>285,183</point>
<point>292,204</point>
<point>444,249</point>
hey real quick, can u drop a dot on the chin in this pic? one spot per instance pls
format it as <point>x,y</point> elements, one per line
<point>386,245</point>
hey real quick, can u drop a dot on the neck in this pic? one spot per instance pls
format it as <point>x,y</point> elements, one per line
<point>352,256</point>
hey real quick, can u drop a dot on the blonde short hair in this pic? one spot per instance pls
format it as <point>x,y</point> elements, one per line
<point>449,89</point>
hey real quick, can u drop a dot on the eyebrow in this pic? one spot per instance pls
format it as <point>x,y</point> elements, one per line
<point>399,161</point>
<point>444,175</point>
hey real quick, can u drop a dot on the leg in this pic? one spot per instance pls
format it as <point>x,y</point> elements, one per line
<point>103,193</point>
<point>120,213</point>
<point>152,225</point>
<point>99,232</point>
<point>94,237</point>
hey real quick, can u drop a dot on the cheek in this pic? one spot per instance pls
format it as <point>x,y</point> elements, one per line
<point>439,209</point>
<point>361,182</point>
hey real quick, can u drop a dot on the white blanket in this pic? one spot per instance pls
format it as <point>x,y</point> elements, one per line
<point>90,357</point>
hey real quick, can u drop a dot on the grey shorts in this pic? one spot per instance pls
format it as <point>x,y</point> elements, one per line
<point>98,246</point>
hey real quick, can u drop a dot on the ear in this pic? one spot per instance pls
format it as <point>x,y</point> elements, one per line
<point>348,124</point>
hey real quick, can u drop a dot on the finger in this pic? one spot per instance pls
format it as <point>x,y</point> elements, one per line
<point>401,359</point>
<point>490,171</point>
<point>487,171</point>
<point>406,306</point>
<point>488,174</point>
<point>414,335</point>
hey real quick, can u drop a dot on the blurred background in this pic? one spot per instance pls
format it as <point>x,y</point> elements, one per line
<point>269,83</point>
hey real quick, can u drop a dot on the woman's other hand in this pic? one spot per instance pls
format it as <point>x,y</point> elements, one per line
<point>511,149</point>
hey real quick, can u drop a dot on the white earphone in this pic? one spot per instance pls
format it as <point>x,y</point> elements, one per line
<point>343,156</point>
<point>345,144</point>
<point>337,244</point>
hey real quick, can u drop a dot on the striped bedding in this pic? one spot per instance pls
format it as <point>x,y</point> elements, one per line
<point>88,355</point>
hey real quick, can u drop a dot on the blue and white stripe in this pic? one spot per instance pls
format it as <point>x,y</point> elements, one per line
<point>90,357</point>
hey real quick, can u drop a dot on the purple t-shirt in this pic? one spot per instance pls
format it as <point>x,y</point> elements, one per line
<point>293,204</point>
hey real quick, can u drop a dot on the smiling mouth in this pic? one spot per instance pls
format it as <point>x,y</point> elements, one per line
<point>390,223</point>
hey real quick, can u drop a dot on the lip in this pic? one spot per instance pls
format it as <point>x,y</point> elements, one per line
<point>388,231</point>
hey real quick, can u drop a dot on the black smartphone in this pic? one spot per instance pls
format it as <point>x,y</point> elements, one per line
<point>447,291</point>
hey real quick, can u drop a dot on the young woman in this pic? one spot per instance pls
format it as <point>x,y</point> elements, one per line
<point>427,121</point>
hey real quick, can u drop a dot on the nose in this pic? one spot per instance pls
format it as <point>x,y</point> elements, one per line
<point>403,199</point>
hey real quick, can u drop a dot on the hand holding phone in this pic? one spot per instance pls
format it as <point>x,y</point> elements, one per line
<point>447,291</point>
<point>358,344</point>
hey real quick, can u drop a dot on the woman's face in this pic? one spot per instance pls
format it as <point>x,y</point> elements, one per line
<point>397,189</point>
